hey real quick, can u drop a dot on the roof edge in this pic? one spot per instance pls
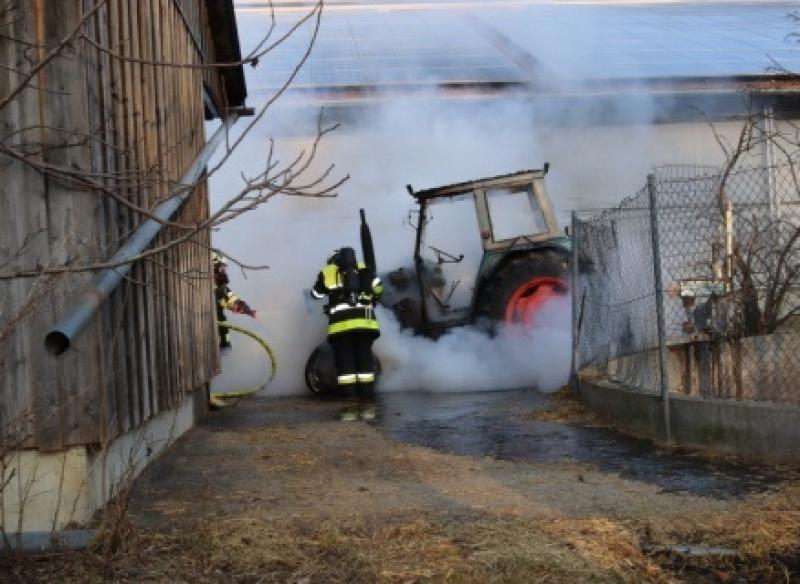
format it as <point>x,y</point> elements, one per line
<point>225,36</point>
<point>471,184</point>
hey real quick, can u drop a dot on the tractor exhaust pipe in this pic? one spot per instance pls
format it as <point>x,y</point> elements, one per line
<point>367,249</point>
<point>69,327</point>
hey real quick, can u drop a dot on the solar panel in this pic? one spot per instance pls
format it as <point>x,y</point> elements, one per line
<point>568,42</point>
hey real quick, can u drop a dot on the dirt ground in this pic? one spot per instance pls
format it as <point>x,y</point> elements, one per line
<point>281,490</point>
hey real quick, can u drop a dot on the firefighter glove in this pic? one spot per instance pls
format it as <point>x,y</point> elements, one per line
<point>241,307</point>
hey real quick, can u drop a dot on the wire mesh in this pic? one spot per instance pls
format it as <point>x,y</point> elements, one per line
<point>617,334</point>
<point>729,244</point>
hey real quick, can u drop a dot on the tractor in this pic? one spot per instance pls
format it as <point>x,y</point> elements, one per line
<point>486,251</point>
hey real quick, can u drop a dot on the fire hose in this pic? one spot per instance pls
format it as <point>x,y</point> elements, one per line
<point>273,364</point>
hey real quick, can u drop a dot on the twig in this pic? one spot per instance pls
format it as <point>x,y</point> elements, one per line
<point>50,55</point>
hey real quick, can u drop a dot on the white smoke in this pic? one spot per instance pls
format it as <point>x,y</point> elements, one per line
<point>426,144</point>
<point>468,359</point>
<point>419,143</point>
<point>427,141</point>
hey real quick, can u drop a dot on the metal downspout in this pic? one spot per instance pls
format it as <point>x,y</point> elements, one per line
<point>64,331</point>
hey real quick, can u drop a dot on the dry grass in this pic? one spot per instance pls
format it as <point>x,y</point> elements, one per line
<point>563,406</point>
<point>455,547</point>
<point>444,549</point>
<point>764,529</point>
<point>610,546</point>
<point>760,525</point>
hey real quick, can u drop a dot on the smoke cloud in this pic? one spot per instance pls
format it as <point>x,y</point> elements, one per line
<point>468,359</point>
<point>427,141</point>
<point>422,144</point>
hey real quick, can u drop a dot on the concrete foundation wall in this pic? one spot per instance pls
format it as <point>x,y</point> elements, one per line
<point>640,412</point>
<point>45,492</point>
<point>766,431</point>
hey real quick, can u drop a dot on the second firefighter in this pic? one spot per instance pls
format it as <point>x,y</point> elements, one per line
<point>226,300</point>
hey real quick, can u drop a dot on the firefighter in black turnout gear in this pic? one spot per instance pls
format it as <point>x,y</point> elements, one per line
<point>353,290</point>
<point>226,300</point>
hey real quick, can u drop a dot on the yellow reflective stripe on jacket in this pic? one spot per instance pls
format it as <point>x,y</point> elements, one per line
<point>229,300</point>
<point>331,277</point>
<point>353,324</point>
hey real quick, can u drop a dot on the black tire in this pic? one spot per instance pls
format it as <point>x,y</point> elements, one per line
<point>320,372</point>
<point>496,293</point>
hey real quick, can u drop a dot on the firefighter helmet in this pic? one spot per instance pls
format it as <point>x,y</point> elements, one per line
<point>218,259</point>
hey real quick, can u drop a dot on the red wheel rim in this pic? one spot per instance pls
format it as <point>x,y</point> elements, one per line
<point>528,299</point>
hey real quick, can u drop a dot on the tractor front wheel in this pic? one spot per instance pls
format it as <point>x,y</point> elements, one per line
<point>320,372</point>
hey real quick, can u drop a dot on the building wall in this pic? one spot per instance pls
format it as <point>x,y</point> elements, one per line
<point>113,130</point>
<point>46,492</point>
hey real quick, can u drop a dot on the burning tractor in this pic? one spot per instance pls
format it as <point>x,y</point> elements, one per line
<point>486,251</point>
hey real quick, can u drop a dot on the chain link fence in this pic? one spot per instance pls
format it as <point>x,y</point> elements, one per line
<point>718,255</point>
<point>615,298</point>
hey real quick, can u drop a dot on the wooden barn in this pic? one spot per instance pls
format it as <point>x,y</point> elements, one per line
<point>103,109</point>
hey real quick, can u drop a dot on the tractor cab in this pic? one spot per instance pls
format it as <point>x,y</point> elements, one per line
<point>474,241</point>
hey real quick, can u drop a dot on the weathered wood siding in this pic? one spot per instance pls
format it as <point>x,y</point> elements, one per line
<point>195,17</point>
<point>134,127</point>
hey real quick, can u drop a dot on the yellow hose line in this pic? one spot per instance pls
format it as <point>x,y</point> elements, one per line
<point>273,363</point>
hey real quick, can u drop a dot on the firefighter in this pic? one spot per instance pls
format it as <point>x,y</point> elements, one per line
<point>353,290</point>
<point>226,300</point>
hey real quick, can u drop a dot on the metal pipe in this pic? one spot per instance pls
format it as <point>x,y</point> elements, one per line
<point>574,296</point>
<point>64,331</point>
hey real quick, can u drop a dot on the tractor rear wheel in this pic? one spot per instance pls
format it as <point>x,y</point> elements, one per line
<point>519,289</point>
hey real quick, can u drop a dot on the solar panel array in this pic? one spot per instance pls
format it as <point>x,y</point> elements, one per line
<point>377,45</point>
<point>608,42</point>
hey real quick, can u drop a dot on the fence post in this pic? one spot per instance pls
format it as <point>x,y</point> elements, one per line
<point>663,355</point>
<point>574,294</point>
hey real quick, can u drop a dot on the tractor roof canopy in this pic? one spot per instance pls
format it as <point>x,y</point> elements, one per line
<point>512,209</point>
<point>521,176</point>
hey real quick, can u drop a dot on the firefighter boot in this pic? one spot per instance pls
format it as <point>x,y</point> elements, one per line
<point>366,402</point>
